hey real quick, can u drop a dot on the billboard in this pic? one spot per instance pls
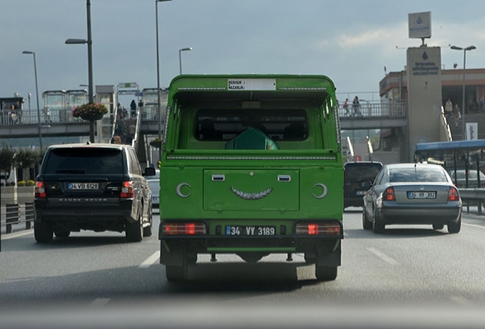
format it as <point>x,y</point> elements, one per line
<point>419,25</point>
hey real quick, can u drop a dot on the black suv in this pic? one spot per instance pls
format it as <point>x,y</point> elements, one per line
<point>358,178</point>
<point>98,187</point>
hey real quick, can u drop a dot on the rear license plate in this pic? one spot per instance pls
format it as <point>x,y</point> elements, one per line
<point>250,230</point>
<point>422,195</point>
<point>82,186</point>
<point>360,192</point>
<point>155,199</point>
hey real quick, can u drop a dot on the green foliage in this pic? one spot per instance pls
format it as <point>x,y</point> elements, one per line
<point>26,158</point>
<point>30,182</point>
<point>7,158</point>
<point>89,110</point>
<point>21,183</point>
<point>157,142</point>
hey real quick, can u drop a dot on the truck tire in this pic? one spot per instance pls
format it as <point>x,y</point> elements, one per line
<point>325,273</point>
<point>43,232</point>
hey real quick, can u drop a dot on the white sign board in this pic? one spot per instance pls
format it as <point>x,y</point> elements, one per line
<point>128,85</point>
<point>251,84</point>
<point>419,25</point>
<point>471,131</point>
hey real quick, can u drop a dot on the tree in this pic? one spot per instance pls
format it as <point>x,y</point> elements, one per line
<point>7,158</point>
<point>26,158</point>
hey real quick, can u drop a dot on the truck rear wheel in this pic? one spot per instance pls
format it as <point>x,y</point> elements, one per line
<point>325,273</point>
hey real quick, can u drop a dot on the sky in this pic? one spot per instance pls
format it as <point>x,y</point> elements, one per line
<point>354,42</point>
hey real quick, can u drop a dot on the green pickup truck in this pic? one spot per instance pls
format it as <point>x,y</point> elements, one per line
<point>251,165</point>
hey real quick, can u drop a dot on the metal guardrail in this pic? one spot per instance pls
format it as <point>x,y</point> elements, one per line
<point>15,214</point>
<point>477,194</point>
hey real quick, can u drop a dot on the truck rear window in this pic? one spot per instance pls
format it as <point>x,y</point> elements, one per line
<point>224,125</point>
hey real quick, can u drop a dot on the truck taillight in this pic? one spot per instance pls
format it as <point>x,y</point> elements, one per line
<point>453,194</point>
<point>325,228</point>
<point>184,228</point>
<point>127,190</point>
<point>40,190</point>
<point>388,194</point>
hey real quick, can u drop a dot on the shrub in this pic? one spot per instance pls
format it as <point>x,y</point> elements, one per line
<point>21,183</point>
<point>30,182</point>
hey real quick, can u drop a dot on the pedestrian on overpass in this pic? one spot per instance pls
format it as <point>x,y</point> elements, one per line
<point>346,106</point>
<point>356,107</point>
<point>133,108</point>
<point>448,108</point>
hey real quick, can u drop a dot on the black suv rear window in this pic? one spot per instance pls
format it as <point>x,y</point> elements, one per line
<point>362,171</point>
<point>102,161</point>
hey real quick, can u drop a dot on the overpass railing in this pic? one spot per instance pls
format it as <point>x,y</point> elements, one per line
<point>147,113</point>
<point>372,109</point>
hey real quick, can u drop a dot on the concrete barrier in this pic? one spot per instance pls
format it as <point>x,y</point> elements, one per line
<point>16,194</point>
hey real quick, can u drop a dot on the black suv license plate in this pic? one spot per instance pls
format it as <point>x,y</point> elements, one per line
<point>82,186</point>
<point>236,230</point>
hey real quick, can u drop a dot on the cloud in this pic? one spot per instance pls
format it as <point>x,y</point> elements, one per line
<point>371,37</point>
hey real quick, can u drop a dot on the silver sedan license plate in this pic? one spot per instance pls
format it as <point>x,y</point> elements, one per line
<point>422,195</point>
<point>82,186</point>
<point>250,230</point>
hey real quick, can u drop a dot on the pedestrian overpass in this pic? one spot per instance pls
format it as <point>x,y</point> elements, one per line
<point>373,115</point>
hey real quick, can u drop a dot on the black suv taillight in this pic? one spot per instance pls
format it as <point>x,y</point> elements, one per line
<point>127,190</point>
<point>40,190</point>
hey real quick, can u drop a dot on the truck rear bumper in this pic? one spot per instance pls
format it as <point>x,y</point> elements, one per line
<point>175,249</point>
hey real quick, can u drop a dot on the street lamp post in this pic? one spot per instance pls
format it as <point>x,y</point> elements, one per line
<point>37,95</point>
<point>89,41</point>
<point>463,124</point>
<point>180,56</point>
<point>158,72</point>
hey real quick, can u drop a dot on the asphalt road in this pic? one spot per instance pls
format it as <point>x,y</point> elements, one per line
<point>408,277</point>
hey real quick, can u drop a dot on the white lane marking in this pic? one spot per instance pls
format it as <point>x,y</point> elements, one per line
<point>99,302</point>
<point>461,300</point>
<point>150,260</point>
<point>383,256</point>
<point>473,225</point>
<point>15,235</point>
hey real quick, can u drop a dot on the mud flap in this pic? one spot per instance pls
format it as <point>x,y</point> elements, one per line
<point>328,257</point>
<point>171,257</point>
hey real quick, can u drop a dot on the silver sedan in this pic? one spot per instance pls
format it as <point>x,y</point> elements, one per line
<point>408,193</point>
<point>154,182</point>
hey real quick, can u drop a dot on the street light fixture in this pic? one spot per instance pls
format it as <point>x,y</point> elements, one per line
<point>37,93</point>
<point>180,56</point>
<point>463,124</point>
<point>89,41</point>
<point>158,72</point>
